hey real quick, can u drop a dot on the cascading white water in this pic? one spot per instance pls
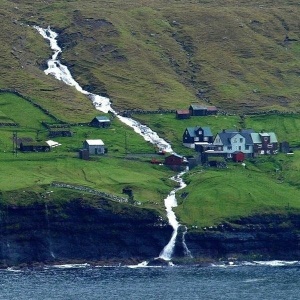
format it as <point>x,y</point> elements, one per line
<point>171,202</point>
<point>61,72</point>
<point>103,104</point>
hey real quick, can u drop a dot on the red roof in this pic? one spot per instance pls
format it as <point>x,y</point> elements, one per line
<point>211,108</point>
<point>183,112</point>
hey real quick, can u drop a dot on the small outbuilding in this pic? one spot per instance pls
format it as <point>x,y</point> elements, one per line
<point>183,114</point>
<point>284,147</point>
<point>100,122</point>
<point>238,156</point>
<point>211,110</point>
<point>95,147</point>
<point>34,147</point>
<point>197,110</point>
<point>84,154</point>
<point>175,160</point>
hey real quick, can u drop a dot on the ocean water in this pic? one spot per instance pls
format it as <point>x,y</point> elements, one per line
<point>255,281</point>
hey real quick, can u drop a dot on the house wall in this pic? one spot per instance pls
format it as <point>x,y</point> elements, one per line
<point>94,150</point>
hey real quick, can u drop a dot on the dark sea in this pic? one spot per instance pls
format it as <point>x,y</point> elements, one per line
<point>273,280</point>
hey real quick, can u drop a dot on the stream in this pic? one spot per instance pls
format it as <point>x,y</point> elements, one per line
<point>62,73</point>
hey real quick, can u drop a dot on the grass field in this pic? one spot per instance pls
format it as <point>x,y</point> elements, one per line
<point>212,194</point>
<point>109,173</point>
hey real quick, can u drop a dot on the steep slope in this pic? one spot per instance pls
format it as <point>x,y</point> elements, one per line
<point>240,56</point>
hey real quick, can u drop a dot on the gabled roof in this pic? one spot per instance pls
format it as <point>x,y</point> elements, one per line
<point>227,135</point>
<point>101,119</point>
<point>256,137</point>
<point>95,142</point>
<point>192,131</point>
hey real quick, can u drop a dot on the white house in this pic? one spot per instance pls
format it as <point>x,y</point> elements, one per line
<point>96,147</point>
<point>231,141</point>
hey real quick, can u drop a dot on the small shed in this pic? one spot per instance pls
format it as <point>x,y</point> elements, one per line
<point>174,160</point>
<point>183,114</point>
<point>95,147</point>
<point>197,110</point>
<point>284,147</point>
<point>34,147</point>
<point>238,156</point>
<point>84,154</point>
<point>211,110</point>
<point>100,122</point>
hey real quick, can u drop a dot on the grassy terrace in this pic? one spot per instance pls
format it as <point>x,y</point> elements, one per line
<point>264,185</point>
<point>109,173</point>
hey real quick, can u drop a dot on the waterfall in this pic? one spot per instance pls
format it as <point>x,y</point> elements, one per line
<point>171,202</point>
<point>103,104</point>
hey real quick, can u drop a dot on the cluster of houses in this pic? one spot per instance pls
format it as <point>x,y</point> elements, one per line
<point>230,143</point>
<point>196,110</point>
<point>89,147</point>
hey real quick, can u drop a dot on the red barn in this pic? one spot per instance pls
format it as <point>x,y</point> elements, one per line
<point>174,160</point>
<point>238,156</point>
<point>183,114</point>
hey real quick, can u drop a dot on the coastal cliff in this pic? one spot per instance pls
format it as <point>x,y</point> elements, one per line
<point>77,231</point>
<point>265,236</point>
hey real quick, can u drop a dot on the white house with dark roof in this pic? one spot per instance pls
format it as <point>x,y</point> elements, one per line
<point>232,141</point>
<point>95,147</point>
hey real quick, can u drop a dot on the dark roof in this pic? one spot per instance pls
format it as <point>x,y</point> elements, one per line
<point>192,130</point>
<point>226,135</point>
<point>198,107</point>
<point>34,143</point>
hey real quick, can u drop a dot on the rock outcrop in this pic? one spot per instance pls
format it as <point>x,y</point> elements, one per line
<point>261,236</point>
<point>77,231</point>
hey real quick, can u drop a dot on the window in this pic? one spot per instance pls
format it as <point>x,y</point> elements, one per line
<point>229,147</point>
<point>259,146</point>
<point>241,140</point>
<point>240,148</point>
<point>270,145</point>
<point>247,147</point>
<point>205,139</point>
<point>196,139</point>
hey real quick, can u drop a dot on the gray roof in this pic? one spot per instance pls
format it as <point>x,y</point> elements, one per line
<point>103,119</point>
<point>226,135</point>
<point>196,106</point>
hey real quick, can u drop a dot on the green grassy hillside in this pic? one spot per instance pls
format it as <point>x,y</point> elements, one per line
<point>241,56</point>
<point>238,55</point>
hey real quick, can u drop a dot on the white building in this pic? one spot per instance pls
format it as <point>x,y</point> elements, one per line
<point>95,147</point>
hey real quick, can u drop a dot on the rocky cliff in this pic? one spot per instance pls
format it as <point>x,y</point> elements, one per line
<point>77,231</point>
<point>264,236</point>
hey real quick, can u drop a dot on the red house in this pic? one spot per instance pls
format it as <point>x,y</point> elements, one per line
<point>174,160</point>
<point>238,156</point>
<point>183,114</point>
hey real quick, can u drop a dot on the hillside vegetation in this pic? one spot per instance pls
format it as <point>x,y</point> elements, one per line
<point>242,56</point>
<point>238,55</point>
